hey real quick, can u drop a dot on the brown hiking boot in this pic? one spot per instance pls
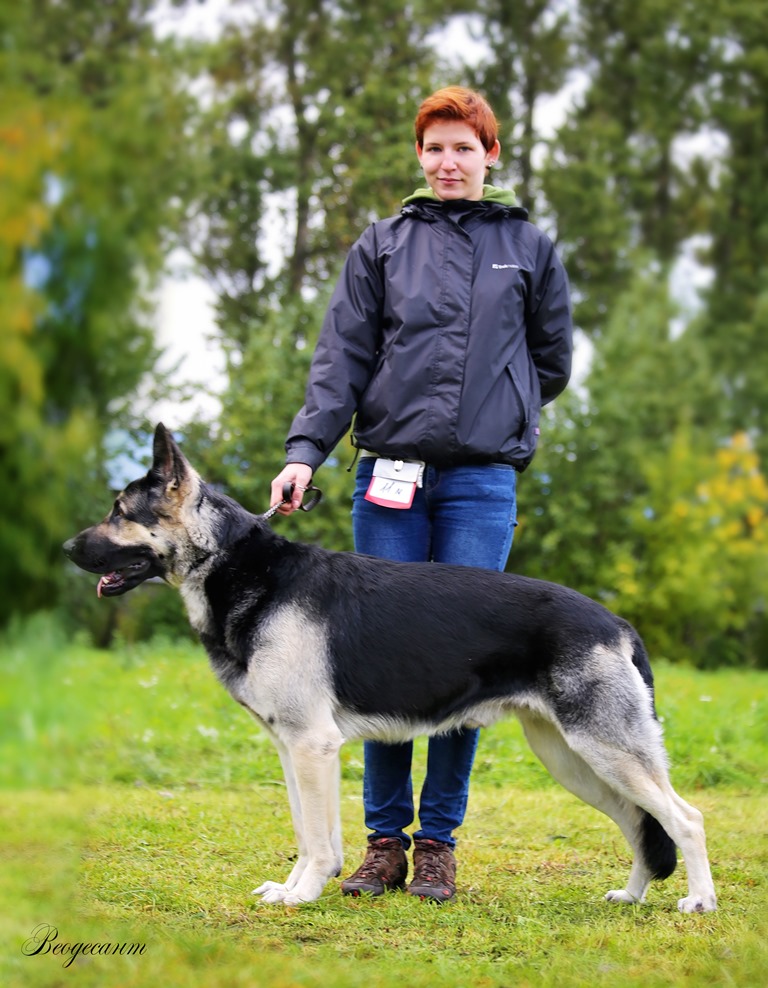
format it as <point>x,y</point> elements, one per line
<point>434,871</point>
<point>385,867</point>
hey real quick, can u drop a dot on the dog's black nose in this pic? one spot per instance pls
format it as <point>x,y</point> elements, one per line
<point>69,547</point>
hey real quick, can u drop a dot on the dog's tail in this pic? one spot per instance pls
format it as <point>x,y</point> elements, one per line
<point>659,851</point>
<point>640,658</point>
<point>658,848</point>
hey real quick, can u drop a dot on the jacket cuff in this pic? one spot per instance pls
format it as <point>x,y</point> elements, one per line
<point>304,453</point>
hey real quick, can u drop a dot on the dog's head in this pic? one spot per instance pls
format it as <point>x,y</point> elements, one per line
<point>147,532</point>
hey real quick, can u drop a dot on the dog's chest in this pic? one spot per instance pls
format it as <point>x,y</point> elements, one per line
<point>198,607</point>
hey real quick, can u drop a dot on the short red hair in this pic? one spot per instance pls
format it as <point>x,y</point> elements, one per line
<point>457,103</point>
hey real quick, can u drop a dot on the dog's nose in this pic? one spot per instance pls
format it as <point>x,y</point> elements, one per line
<point>69,547</point>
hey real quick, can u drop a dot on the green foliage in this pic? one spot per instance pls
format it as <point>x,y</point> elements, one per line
<point>89,165</point>
<point>631,501</point>
<point>157,611</point>
<point>531,52</point>
<point>313,108</point>
<point>303,136</point>
<point>614,178</point>
<point>735,321</point>
<point>575,498</point>
<point>265,392</point>
<point>698,578</point>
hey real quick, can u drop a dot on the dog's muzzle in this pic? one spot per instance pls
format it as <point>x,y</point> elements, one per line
<point>119,571</point>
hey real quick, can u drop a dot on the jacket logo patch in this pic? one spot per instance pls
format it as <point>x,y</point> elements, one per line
<point>505,267</point>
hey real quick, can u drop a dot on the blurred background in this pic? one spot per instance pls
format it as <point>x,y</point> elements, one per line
<point>180,182</point>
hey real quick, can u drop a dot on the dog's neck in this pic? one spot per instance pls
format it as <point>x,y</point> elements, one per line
<point>231,520</point>
<point>213,523</point>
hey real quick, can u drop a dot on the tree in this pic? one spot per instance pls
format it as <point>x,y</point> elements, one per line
<point>615,178</point>
<point>89,161</point>
<point>577,495</point>
<point>697,582</point>
<point>308,125</point>
<point>633,500</point>
<point>530,54</point>
<point>312,120</point>
<point>735,323</point>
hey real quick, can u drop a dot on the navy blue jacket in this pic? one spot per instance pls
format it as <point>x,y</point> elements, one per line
<point>448,329</point>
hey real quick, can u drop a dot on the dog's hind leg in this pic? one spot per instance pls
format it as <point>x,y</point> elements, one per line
<point>575,775</point>
<point>312,760</point>
<point>641,777</point>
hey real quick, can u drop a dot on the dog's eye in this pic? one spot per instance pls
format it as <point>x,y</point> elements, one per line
<point>117,510</point>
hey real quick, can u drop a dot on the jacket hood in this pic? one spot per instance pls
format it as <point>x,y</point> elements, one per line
<point>491,193</point>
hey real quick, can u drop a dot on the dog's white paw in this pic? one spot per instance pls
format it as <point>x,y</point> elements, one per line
<point>621,895</point>
<point>268,887</point>
<point>274,897</point>
<point>276,892</point>
<point>698,904</point>
<point>291,899</point>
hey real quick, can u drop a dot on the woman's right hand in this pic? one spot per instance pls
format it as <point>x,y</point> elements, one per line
<point>297,474</point>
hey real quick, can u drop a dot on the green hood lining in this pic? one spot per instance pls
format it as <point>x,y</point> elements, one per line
<point>491,193</point>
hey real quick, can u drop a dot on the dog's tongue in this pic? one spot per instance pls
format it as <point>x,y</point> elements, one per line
<point>104,581</point>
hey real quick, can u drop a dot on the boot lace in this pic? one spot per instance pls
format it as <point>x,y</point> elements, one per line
<point>377,858</point>
<point>432,863</point>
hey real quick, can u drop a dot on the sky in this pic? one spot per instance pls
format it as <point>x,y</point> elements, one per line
<point>185,327</point>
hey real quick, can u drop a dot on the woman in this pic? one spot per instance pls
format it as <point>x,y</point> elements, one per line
<point>449,327</point>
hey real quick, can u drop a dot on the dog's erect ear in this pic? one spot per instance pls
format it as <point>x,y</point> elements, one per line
<point>168,460</point>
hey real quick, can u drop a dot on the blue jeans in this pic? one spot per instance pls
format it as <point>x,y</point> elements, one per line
<point>463,515</point>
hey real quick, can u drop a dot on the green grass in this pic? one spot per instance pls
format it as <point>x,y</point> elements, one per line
<point>140,805</point>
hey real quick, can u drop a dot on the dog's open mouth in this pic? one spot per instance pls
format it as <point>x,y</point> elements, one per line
<point>121,580</point>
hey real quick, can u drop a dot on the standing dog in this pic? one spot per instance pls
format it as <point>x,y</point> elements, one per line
<point>321,646</point>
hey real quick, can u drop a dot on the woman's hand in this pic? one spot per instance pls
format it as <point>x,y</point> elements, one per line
<point>297,474</point>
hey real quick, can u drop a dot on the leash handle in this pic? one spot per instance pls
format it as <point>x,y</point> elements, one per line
<point>307,505</point>
<point>310,503</point>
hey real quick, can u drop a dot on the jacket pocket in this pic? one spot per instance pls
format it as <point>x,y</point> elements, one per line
<point>524,385</point>
<point>523,399</point>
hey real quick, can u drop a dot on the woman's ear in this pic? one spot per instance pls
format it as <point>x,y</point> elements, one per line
<point>493,154</point>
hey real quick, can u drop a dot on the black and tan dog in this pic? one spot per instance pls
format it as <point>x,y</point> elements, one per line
<point>322,646</point>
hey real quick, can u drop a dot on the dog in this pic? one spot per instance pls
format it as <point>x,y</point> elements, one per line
<point>324,646</point>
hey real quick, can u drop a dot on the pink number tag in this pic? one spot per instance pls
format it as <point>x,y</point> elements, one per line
<point>394,482</point>
<point>390,493</point>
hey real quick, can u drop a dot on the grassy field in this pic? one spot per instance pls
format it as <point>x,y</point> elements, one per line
<point>140,806</point>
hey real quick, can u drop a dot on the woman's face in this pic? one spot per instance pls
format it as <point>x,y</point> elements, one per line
<point>454,160</point>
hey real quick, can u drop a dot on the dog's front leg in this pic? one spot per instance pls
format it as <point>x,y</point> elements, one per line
<point>311,766</point>
<point>273,891</point>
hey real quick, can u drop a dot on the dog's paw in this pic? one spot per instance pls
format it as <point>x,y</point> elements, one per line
<point>291,899</point>
<point>275,893</point>
<point>621,895</point>
<point>698,904</point>
<point>271,891</point>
